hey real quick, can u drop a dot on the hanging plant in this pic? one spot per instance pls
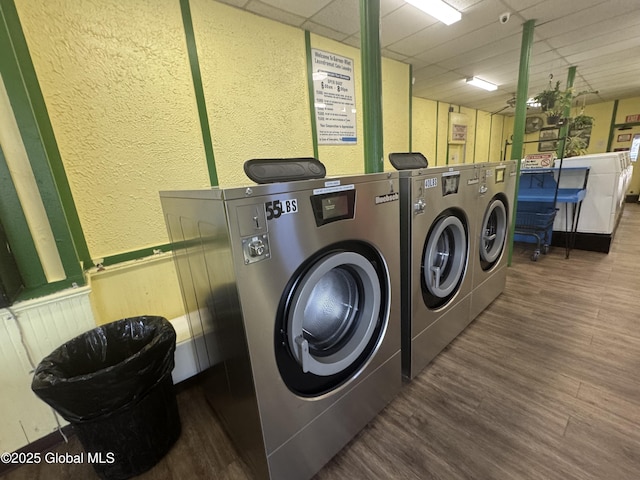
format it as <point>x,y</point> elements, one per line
<point>575,146</point>
<point>582,121</point>
<point>547,98</point>
<point>554,102</point>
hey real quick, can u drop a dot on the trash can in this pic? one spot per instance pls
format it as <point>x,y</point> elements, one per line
<point>113,384</point>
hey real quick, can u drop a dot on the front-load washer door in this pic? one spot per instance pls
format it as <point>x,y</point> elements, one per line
<point>493,233</point>
<point>444,258</point>
<point>333,316</point>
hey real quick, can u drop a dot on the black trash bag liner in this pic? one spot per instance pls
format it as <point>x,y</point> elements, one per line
<point>106,369</point>
<point>113,384</point>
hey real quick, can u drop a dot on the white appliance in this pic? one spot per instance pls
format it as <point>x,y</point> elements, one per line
<point>496,202</point>
<point>296,287</point>
<point>609,176</point>
<point>437,232</point>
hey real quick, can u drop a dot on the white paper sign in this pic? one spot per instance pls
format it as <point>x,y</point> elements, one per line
<point>334,98</point>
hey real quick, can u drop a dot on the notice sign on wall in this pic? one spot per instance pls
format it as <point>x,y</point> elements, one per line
<point>334,98</point>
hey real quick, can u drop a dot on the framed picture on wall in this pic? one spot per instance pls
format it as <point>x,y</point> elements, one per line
<point>548,140</point>
<point>624,137</point>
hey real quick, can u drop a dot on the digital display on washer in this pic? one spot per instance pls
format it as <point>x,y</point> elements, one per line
<point>450,183</point>
<point>331,207</point>
<point>499,175</point>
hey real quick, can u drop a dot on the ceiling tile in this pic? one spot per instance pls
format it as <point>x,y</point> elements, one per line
<point>402,23</point>
<point>388,6</point>
<point>340,15</point>
<point>598,36</point>
<point>273,13</point>
<point>302,8</point>
<point>324,31</point>
<point>236,3</point>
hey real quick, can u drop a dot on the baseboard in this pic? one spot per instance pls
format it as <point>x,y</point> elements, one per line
<point>593,242</point>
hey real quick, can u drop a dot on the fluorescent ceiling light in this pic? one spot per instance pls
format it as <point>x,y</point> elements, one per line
<point>476,82</point>
<point>437,9</point>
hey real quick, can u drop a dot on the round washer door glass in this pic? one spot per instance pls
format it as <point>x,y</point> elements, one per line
<point>334,313</point>
<point>445,256</point>
<point>494,232</point>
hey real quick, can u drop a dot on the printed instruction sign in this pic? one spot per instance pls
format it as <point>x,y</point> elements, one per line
<point>334,98</point>
<point>538,160</point>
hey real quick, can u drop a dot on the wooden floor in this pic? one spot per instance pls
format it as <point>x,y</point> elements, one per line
<point>545,384</point>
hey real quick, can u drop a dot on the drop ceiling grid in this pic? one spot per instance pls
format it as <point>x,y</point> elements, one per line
<point>598,36</point>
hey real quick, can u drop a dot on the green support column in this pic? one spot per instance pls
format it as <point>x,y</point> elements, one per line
<point>521,114</point>
<point>564,129</point>
<point>612,126</point>
<point>371,85</point>
<point>410,108</point>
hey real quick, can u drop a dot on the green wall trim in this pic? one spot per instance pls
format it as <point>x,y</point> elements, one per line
<point>136,254</point>
<point>50,288</point>
<point>371,85</point>
<point>310,86</point>
<point>199,90</point>
<point>16,227</point>
<point>39,141</point>
<point>612,128</point>
<point>520,116</point>
<point>410,108</point>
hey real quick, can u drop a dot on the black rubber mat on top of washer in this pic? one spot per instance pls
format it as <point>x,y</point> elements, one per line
<point>408,160</point>
<point>272,170</point>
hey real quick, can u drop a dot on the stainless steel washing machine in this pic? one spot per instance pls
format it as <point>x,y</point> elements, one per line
<point>495,208</point>
<point>295,288</point>
<point>437,211</point>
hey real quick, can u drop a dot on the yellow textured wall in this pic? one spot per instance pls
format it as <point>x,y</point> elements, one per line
<point>442,149</point>
<point>601,112</point>
<point>142,287</point>
<point>117,85</point>
<point>395,108</point>
<point>482,136</point>
<point>496,148</point>
<point>469,148</point>
<point>254,77</point>
<point>628,106</point>
<point>424,128</point>
<point>430,129</point>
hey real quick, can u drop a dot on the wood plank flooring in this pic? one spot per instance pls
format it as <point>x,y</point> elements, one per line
<point>545,384</point>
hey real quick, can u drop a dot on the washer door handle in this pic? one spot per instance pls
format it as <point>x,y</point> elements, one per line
<point>303,352</point>
<point>489,237</point>
<point>436,276</point>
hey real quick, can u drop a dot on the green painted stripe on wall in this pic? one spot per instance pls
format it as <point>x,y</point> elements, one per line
<point>15,223</point>
<point>136,255</point>
<point>50,288</point>
<point>199,90</point>
<point>312,102</point>
<point>42,149</point>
